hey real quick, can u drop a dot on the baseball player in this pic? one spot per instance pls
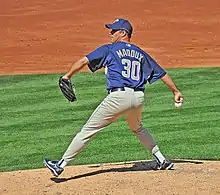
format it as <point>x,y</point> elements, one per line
<point>128,68</point>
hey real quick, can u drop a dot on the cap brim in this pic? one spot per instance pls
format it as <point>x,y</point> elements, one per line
<point>107,25</point>
<point>110,26</point>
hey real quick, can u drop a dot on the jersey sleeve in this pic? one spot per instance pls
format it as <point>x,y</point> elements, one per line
<point>157,71</point>
<point>97,58</point>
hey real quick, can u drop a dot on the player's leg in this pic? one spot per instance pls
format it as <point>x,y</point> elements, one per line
<point>108,111</point>
<point>134,120</point>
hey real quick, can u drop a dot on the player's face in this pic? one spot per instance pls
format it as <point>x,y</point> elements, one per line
<point>115,35</point>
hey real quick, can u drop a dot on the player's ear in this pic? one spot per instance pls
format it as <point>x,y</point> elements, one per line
<point>124,33</point>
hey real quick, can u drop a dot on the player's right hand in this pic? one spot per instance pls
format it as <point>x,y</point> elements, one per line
<point>178,97</point>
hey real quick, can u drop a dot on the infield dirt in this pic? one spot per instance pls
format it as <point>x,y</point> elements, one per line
<point>195,177</point>
<point>46,36</point>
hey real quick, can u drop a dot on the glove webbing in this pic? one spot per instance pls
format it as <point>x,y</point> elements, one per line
<point>66,88</point>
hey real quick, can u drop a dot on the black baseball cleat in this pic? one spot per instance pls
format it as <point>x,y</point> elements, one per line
<point>166,165</point>
<point>53,166</point>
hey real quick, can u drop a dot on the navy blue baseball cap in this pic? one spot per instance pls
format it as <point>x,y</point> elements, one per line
<point>121,24</point>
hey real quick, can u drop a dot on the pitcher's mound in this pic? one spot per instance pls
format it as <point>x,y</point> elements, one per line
<point>134,178</point>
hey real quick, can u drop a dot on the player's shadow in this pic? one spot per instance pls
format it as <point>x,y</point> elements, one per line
<point>137,166</point>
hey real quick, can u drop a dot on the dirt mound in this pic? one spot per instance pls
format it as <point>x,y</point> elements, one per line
<point>134,178</point>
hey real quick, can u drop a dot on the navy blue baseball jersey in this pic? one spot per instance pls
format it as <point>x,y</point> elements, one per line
<point>126,65</point>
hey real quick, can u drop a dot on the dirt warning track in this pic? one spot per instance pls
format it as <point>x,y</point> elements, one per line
<point>44,36</point>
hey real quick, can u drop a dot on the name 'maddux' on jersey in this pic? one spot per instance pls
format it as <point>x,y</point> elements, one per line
<point>126,65</point>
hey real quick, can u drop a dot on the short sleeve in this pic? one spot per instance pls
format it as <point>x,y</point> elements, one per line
<point>97,58</point>
<point>157,71</point>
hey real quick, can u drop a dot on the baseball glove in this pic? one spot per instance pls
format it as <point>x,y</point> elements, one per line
<point>67,89</point>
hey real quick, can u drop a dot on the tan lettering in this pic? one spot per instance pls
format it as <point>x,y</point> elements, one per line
<point>124,52</point>
<point>136,54</point>
<point>132,53</point>
<point>128,52</point>
<point>141,56</point>
<point>119,53</point>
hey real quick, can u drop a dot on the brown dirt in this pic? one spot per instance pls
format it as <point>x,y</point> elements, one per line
<point>196,177</point>
<point>46,36</point>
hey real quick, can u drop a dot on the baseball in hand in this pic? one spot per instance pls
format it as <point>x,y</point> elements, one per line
<point>178,104</point>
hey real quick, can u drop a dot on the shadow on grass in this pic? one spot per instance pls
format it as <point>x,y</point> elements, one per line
<point>137,166</point>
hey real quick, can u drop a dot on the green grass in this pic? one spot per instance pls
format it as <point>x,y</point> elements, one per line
<point>36,121</point>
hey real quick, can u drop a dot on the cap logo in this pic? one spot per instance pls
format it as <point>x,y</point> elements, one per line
<point>117,20</point>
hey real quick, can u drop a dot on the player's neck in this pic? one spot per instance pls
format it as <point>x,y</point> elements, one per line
<point>126,40</point>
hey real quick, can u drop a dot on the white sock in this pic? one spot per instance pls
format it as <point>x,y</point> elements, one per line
<point>157,154</point>
<point>62,163</point>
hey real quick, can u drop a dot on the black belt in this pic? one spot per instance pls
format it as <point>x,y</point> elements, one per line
<point>123,89</point>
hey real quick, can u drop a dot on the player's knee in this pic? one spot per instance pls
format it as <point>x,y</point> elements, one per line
<point>136,129</point>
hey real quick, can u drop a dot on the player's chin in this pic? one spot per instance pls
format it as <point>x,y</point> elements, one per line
<point>112,41</point>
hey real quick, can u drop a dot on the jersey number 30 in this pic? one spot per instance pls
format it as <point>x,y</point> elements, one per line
<point>131,69</point>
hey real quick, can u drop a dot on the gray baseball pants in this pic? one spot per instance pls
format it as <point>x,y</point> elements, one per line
<point>128,103</point>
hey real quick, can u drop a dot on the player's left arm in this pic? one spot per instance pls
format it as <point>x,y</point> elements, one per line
<point>94,60</point>
<point>76,67</point>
